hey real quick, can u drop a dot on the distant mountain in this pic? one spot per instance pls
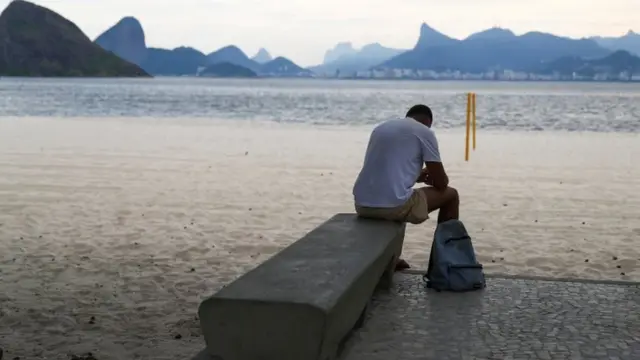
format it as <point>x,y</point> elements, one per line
<point>618,62</point>
<point>494,33</point>
<point>281,66</point>
<point>262,56</point>
<point>338,51</point>
<point>177,62</point>
<point>492,50</point>
<point>430,37</point>
<point>227,69</point>
<point>35,41</point>
<point>233,55</point>
<point>358,60</point>
<point>629,42</point>
<point>125,39</point>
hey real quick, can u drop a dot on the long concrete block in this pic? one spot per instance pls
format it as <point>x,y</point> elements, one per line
<point>303,302</point>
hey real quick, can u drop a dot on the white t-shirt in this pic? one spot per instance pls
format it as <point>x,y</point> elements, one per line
<point>396,153</point>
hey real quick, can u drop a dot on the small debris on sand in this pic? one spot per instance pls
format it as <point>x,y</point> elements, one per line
<point>88,356</point>
<point>177,337</point>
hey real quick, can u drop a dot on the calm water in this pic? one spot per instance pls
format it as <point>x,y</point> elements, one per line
<point>509,106</point>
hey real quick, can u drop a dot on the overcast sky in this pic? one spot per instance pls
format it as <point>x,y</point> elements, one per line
<point>303,30</point>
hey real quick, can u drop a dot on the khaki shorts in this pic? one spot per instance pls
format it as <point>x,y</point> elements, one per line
<point>414,211</point>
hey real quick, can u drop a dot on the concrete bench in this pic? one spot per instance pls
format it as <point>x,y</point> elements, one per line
<point>303,302</point>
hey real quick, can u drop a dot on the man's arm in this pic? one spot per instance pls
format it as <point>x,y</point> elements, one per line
<point>437,177</point>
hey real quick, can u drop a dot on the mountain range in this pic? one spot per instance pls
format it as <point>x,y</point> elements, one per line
<point>127,40</point>
<point>493,49</point>
<point>35,41</point>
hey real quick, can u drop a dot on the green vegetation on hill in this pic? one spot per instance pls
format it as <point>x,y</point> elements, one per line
<point>35,41</point>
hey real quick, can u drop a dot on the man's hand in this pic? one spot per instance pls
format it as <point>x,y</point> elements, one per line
<point>424,177</point>
<point>427,180</point>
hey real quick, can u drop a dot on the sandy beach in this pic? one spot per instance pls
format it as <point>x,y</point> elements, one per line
<point>113,230</point>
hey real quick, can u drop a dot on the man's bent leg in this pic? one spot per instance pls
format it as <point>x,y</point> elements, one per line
<point>447,201</point>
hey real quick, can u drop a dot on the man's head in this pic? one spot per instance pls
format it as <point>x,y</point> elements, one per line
<point>422,114</point>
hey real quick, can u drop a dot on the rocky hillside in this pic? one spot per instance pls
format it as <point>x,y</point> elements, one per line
<point>35,41</point>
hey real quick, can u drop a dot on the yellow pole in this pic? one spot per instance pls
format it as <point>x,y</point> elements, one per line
<point>466,144</point>
<point>473,119</point>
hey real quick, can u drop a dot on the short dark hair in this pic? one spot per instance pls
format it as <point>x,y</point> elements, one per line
<point>420,110</point>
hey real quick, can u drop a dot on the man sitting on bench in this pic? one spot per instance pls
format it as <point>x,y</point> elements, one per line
<point>397,150</point>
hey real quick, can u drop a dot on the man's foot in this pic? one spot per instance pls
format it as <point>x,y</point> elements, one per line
<point>402,265</point>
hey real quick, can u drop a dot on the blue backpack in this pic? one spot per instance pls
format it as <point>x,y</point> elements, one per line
<point>452,264</point>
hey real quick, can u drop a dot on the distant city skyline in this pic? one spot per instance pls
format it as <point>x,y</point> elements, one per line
<point>303,30</point>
